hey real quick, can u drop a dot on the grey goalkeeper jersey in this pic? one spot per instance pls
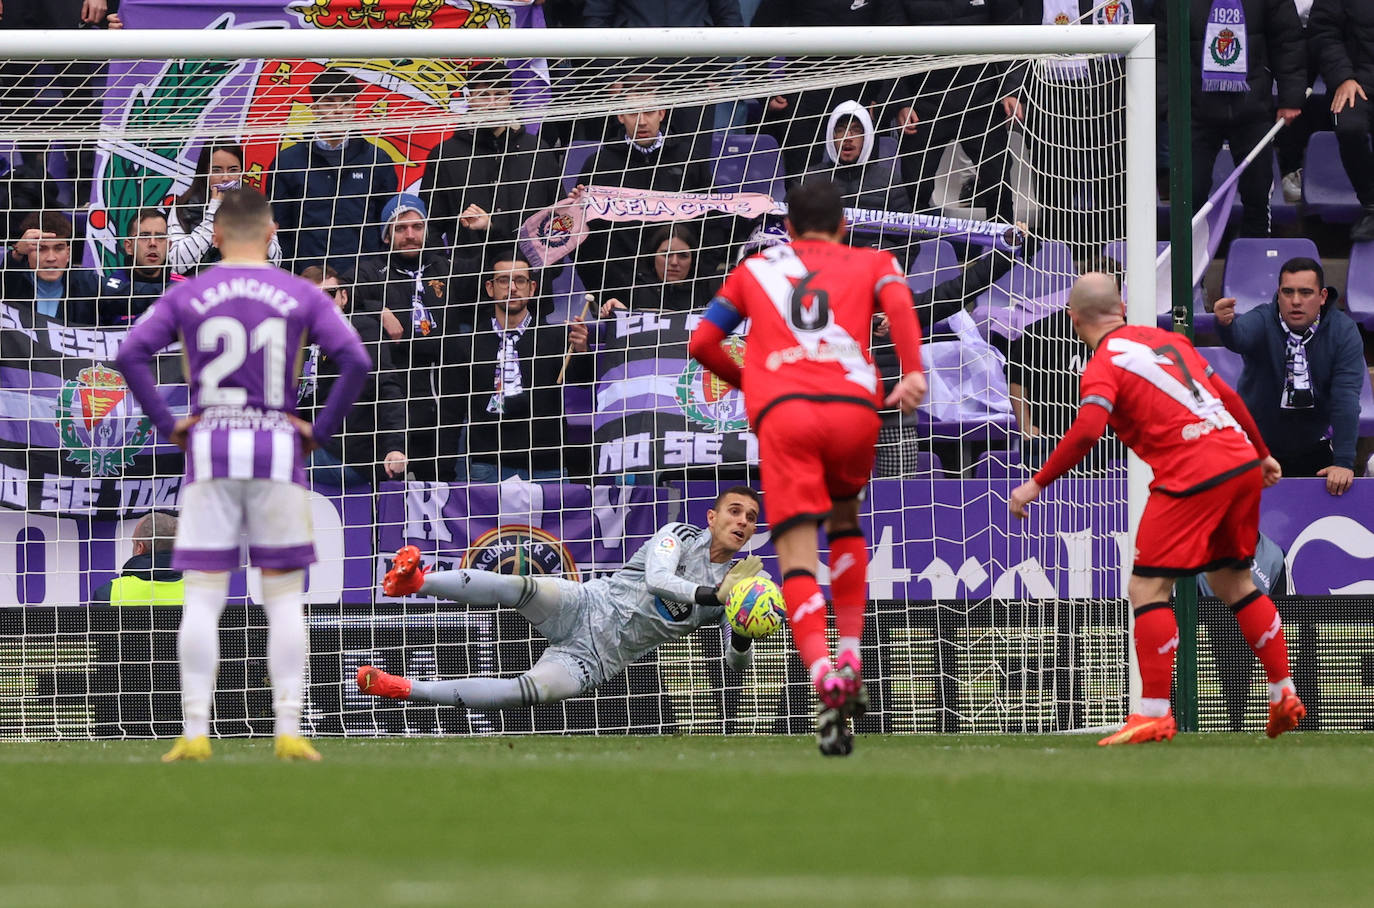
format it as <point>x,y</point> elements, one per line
<point>653,598</point>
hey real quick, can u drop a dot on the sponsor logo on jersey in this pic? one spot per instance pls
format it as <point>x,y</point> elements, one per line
<point>710,402</point>
<point>667,544</point>
<point>521,549</point>
<point>98,422</point>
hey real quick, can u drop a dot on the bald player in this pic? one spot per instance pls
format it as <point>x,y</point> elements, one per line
<point>1210,463</point>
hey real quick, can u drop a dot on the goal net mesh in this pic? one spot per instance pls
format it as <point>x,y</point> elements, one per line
<point>410,185</point>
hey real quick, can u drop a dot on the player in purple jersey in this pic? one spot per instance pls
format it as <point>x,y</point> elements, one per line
<point>243,326</point>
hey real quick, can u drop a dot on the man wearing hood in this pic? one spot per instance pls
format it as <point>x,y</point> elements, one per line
<point>864,182</point>
<point>1304,369</point>
<point>481,183</point>
<point>408,287</point>
<point>518,363</point>
<point>327,192</point>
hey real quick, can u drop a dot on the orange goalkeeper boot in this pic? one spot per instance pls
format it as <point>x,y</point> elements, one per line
<point>407,575</point>
<point>1285,714</point>
<point>378,683</point>
<point>1141,730</point>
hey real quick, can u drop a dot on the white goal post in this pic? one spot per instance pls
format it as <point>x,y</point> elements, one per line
<point>708,67</point>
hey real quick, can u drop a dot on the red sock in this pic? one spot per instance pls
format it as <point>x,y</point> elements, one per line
<point>1259,622</point>
<point>1156,642</point>
<point>849,583</point>
<point>806,615</point>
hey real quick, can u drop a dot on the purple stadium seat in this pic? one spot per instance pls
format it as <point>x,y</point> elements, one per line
<point>1359,284</point>
<point>1222,169</point>
<point>575,160</point>
<point>1051,270</point>
<point>1000,465</point>
<point>1252,267</point>
<point>745,163</point>
<point>1224,362</point>
<point>1325,186</point>
<point>935,261</point>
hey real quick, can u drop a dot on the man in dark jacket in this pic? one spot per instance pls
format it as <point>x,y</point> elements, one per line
<point>148,577</point>
<point>1236,62</point>
<point>480,184</point>
<point>972,105</point>
<point>643,159</point>
<point>1304,369</point>
<point>39,277</point>
<point>516,425</point>
<point>126,295</point>
<point>409,289</point>
<point>797,121</point>
<point>1341,38</point>
<point>371,445</point>
<point>327,192</point>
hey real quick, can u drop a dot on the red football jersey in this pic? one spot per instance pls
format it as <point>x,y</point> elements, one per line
<point>810,307</point>
<point>1164,407</point>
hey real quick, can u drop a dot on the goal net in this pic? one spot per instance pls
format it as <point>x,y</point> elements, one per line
<point>441,187</point>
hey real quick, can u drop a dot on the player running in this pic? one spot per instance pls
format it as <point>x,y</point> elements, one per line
<point>677,582</point>
<point>812,394</point>
<point>242,326</point>
<point>1202,516</point>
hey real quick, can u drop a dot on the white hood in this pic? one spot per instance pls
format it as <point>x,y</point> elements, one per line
<point>839,113</point>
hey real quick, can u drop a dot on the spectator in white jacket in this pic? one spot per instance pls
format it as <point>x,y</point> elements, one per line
<point>191,222</point>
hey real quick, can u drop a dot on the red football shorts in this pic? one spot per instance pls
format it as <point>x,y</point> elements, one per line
<point>1215,528</point>
<point>811,454</point>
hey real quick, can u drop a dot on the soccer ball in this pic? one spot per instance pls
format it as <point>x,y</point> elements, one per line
<point>755,607</point>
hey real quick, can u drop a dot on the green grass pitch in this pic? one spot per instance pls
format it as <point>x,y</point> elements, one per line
<point>1205,820</point>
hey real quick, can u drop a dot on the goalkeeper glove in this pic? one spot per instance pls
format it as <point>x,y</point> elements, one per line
<point>746,568</point>
<point>739,652</point>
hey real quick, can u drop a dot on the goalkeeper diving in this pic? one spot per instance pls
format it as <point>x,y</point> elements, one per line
<point>676,582</point>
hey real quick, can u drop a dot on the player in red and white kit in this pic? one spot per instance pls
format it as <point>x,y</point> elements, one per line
<point>812,394</point>
<point>1209,462</point>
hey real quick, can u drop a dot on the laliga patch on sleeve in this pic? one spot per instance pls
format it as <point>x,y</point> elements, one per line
<point>667,544</point>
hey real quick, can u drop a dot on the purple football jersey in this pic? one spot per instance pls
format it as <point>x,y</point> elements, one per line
<point>243,332</point>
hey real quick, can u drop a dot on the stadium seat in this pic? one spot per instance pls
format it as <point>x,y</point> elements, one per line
<point>1052,270</point>
<point>746,163</point>
<point>576,160</point>
<point>1359,284</point>
<point>1222,169</point>
<point>1000,465</point>
<point>1226,363</point>
<point>1252,267</point>
<point>935,261</point>
<point>1325,186</point>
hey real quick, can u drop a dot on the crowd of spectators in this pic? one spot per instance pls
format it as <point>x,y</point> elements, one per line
<point>471,356</point>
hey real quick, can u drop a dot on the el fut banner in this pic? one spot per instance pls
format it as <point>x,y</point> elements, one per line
<point>658,409</point>
<point>72,437</point>
<point>158,112</point>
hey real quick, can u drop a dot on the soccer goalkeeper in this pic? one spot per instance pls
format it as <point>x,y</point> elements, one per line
<point>677,582</point>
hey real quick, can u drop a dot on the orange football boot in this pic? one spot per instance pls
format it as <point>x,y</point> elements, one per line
<point>1141,730</point>
<point>406,574</point>
<point>378,683</point>
<point>1285,714</point>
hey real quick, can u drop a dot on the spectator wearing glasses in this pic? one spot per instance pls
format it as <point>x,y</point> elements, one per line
<point>515,378</point>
